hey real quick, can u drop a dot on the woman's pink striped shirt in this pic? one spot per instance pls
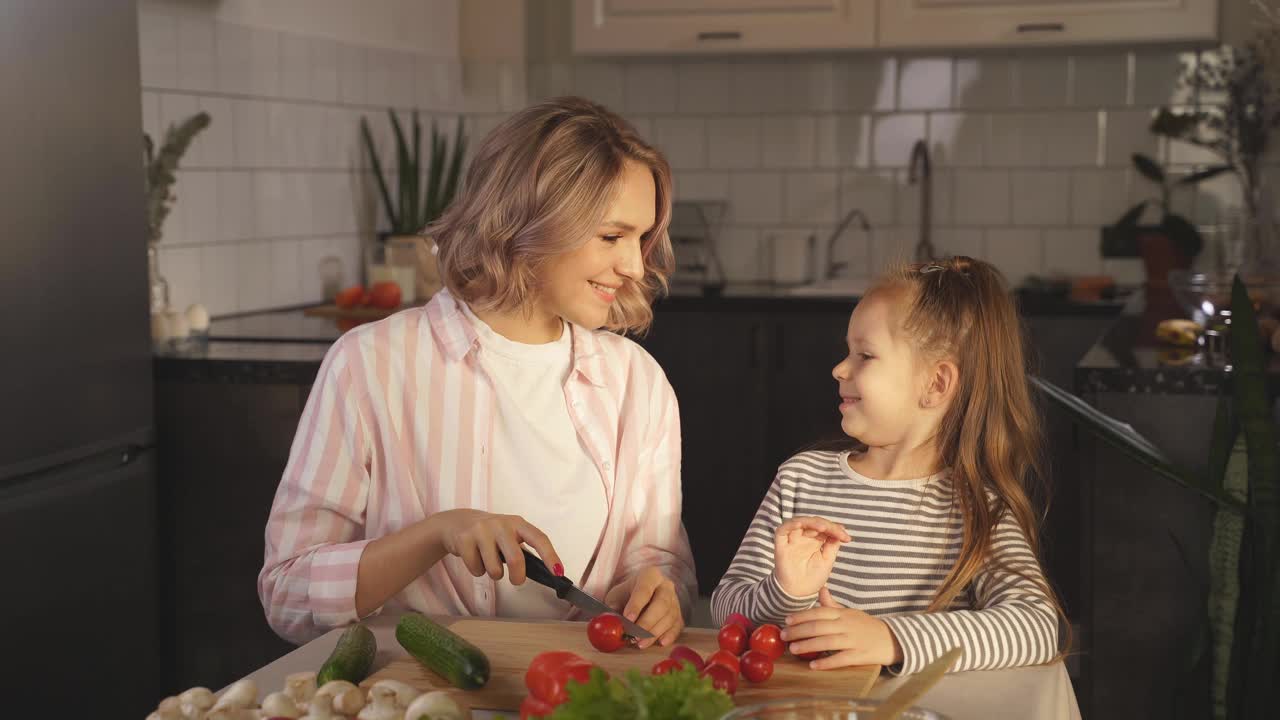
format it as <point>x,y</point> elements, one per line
<point>398,427</point>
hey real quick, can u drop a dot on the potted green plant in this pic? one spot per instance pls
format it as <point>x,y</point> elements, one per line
<point>1172,242</point>
<point>406,256</point>
<point>158,181</point>
<point>1239,90</point>
<point>1237,641</point>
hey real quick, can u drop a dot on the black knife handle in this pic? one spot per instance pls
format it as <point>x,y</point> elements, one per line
<point>537,571</point>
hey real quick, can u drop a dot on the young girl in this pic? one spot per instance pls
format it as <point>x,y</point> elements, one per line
<point>920,536</point>
<point>443,437</point>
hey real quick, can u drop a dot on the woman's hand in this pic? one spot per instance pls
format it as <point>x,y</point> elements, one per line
<point>649,600</point>
<point>852,636</point>
<point>478,537</point>
<point>804,551</point>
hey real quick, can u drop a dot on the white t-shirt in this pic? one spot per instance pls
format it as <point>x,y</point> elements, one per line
<point>540,468</point>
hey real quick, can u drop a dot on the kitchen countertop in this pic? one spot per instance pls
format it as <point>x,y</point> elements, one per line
<point>1128,358</point>
<point>287,346</point>
<point>1043,691</point>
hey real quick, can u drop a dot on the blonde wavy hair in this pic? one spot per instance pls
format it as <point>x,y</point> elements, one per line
<point>538,186</point>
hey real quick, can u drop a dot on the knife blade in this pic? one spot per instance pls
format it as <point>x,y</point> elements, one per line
<point>537,571</point>
<point>592,607</point>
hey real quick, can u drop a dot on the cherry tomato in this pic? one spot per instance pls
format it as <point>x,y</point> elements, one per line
<point>768,640</point>
<point>550,673</point>
<point>385,295</point>
<point>666,665</point>
<point>740,619</point>
<point>684,653</point>
<point>605,632</point>
<point>756,666</point>
<point>722,678</point>
<point>532,707</point>
<point>725,658</point>
<point>350,297</point>
<point>733,638</point>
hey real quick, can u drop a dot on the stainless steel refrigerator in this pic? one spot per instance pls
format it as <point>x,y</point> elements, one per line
<point>78,609</point>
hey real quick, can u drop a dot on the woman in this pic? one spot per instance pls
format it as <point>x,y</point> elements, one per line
<point>501,413</point>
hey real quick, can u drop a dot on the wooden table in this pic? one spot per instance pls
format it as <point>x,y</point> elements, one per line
<point>1040,693</point>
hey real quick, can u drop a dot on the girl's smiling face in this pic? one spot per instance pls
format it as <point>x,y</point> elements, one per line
<point>881,383</point>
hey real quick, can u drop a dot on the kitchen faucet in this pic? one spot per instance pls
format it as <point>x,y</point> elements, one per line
<point>920,171</point>
<point>855,214</point>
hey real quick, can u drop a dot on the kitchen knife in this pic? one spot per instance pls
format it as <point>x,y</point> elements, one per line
<point>537,571</point>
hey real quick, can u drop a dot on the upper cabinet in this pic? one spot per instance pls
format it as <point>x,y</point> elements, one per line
<point>1012,23</point>
<point>633,27</point>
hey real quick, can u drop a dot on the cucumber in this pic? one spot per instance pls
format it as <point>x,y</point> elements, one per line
<point>464,665</point>
<point>352,657</point>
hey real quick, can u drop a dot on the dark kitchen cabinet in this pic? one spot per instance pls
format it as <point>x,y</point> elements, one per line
<point>754,388</point>
<point>223,449</point>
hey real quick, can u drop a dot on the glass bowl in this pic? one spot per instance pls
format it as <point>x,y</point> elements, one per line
<point>816,708</point>
<point>1203,295</point>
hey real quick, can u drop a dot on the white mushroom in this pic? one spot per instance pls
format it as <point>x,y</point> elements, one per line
<point>321,708</point>
<point>300,687</point>
<point>241,694</point>
<point>347,698</point>
<point>405,693</point>
<point>230,713</point>
<point>169,708</point>
<point>278,704</point>
<point>437,705</point>
<point>382,705</point>
<point>200,698</point>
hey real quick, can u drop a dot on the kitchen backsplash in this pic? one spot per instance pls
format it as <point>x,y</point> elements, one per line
<point>278,180</point>
<point>1030,153</point>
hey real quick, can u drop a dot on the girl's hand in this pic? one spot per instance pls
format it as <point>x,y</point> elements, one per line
<point>853,636</point>
<point>804,550</point>
<point>477,537</point>
<point>649,600</point>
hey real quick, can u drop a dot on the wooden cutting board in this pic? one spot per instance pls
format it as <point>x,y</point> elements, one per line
<point>511,646</point>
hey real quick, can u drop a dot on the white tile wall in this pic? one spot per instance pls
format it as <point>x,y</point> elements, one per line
<point>734,142</point>
<point>1030,150</point>
<point>703,87</point>
<point>924,84</point>
<point>274,184</point>
<point>787,141</point>
<point>812,198</point>
<point>1041,197</point>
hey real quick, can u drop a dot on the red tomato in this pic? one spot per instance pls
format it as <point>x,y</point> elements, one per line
<point>732,638</point>
<point>605,632</point>
<point>768,640</point>
<point>385,295</point>
<point>350,297</point>
<point>666,665</point>
<point>756,666</point>
<point>740,619</point>
<point>532,707</point>
<point>722,678</point>
<point>687,654</point>
<point>725,658</point>
<point>549,675</point>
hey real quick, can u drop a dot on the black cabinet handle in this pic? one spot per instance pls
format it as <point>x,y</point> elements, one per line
<point>1042,27</point>
<point>719,35</point>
